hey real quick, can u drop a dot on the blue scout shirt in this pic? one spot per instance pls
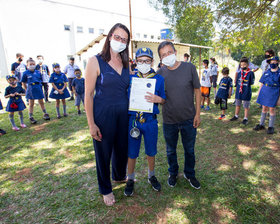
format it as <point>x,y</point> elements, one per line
<point>159,90</point>
<point>32,78</point>
<point>270,78</point>
<point>224,86</point>
<point>247,91</point>
<point>70,70</point>
<point>79,85</point>
<point>10,90</point>
<point>58,79</point>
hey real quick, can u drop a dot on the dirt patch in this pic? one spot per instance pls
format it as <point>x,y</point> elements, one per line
<point>40,127</point>
<point>134,210</point>
<point>23,175</point>
<point>222,214</point>
<point>243,149</point>
<point>162,217</point>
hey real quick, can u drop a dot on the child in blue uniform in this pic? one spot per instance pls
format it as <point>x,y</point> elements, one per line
<point>59,90</point>
<point>245,79</point>
<point>224,92</point>
<point>14,92</point>
<point>269,94</point>
<point>78,86</point>
<point>144,123</point>
<point>32,82</point>
<point>2,132</point>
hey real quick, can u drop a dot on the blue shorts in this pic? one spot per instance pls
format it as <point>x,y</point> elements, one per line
<point>79,98</point>
<point>149,130</point>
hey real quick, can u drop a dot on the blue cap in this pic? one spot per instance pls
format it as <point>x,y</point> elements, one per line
<point>144,51</point>
<point>276,58</point>
<point>11,76</point>
<point>55,65</point>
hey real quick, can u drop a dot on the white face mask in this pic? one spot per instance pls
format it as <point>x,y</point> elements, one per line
<point>169,60</point>
<point>144,68</point>
<point>117,46</point>
<point>31,68</point>
<point>56,69</point>
<point>40,61</point>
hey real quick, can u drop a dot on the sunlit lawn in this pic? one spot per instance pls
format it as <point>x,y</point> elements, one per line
<point>48,175</point>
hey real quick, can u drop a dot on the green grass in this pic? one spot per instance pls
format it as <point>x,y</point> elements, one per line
<point>48,175</point>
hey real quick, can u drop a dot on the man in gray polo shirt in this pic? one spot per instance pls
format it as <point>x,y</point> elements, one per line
<point>179,113</point>
<point>70,72</point>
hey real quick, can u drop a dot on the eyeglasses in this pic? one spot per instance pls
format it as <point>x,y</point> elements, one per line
<point>119,38</point>
<point>147,61</point>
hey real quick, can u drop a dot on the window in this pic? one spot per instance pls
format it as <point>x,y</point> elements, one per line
<point>158,37</point>
<point>90,30</point>
<point>67,27</point>
<point>145,35</point>
<point>152,36</point>
<point>101,31</point>
<point>79,29</point>
<point>138,35</point>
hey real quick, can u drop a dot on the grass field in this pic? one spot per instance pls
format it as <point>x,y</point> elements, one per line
<point>48,175</point>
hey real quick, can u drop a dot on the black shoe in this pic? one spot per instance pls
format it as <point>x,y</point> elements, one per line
<point>259,127</point>
<point>32,120</point>
<point>245,121</point>
<point>193,182</point>
<point>71,98</point>
<point>2,132</point>
<point>46,117</point>
<point>234,118</point>
<point>172,180</point>
<point>155,184</point>
<point>58,116</point>
<point>270,130</point>
<point>79,112</point>
<point>65,115</point>
<point>128,191</point>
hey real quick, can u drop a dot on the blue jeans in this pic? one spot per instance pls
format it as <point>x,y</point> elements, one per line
<point>188,136</point>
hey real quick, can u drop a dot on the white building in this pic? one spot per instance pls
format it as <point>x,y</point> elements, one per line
<point>58,29</point>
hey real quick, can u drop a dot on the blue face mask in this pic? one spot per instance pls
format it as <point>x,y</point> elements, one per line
<point>273,66</point>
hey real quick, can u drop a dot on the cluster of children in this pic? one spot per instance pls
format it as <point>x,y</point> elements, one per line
<point>268,95</point>
<point>30,86</point>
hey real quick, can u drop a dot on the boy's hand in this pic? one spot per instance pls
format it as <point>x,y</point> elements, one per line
<point>12,95</point>
<point>152,98</point>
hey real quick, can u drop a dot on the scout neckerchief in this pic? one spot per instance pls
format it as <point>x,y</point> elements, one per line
<point>243,77</point>
<point>139,115</point>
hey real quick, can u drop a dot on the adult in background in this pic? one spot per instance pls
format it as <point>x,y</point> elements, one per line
<point>268,54</point>
<point>106,104</point>
<point>187,57</point>
<point>45,72</point>
<point>70,72</point>
<point>18,67</point>
<point>179,112</point>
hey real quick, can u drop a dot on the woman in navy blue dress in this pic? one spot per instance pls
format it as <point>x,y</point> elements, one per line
<point>269,94</point>
<point>59,91</point>
<point>106,104</point>
<point>14,92</point>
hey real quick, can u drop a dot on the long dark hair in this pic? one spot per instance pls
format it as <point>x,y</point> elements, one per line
<point>105,53</point>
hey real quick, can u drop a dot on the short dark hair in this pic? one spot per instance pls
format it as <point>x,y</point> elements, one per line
<point>30,60</point>
<point>205,61</point>
<point>225,71</point>
<point>38,56</point>
<point>186,55</point>
<point>105,53</point>
<point>271,52</point>
<point>244,59</point>
<point>77,70</point>
<point>19,54</point>
<point>72,59</point>
<point>163,44</point>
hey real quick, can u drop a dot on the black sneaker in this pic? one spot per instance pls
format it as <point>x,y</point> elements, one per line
<point>58,116</point>
<point>172,180</point>
<point>245,121</point>
<point>193,182</point>
<point>234,118</point>
<point>2,132</point>
<point>79,112</point>
<point>65,115</point>
<point>259,127</point>
<point>155,184</point>
<point>128,191</point>
<point>46,116</point>
<point>71,98</point>
<point>270,130</point>
<point>32,120</point>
